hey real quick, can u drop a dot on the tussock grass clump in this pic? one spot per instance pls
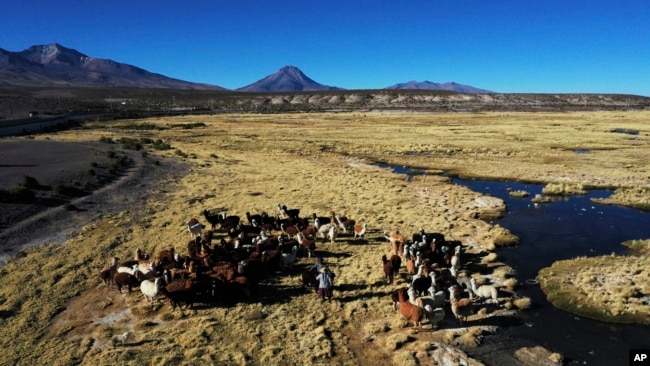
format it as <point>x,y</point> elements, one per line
<point>537,355</point>
<point>560,189</point>
<point>556,357</point>
<point>518,194</point>
<point>397,340</point>
<point>29,182</point>
<point>522,303</point>
<point>539,198</point>
<point>319,342</point>
<point>641,246</point>
<point>375,327</point>
<point>502,237</point>
<point>472,337</point>
<point>480,280</point>
<point>491,257</point>
<point>511,284</point>
<point>405,358</point>
<point>159,144</point>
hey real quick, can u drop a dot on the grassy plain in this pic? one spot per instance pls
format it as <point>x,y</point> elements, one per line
<point>55,310</point>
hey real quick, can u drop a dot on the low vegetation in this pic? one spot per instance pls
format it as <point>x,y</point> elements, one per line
<point>607,288</point>
<point>54,309</point>
<point>637,197</point>
<point>639,246</point>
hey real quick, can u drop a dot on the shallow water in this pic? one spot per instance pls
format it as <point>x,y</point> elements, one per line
<point>565,228</point>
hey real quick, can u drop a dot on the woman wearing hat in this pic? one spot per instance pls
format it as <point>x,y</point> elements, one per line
<point>325,281</point>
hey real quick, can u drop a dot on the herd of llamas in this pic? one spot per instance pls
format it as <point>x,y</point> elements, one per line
<point>229,270</point>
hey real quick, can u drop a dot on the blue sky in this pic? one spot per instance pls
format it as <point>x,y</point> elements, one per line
<point>510,46</point>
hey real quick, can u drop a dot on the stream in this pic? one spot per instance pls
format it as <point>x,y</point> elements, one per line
<point>566,228</point>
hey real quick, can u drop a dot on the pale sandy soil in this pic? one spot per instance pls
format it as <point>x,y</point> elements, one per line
<point>54,299</point>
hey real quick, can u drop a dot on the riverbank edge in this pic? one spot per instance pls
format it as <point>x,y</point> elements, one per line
<point>554,282</point>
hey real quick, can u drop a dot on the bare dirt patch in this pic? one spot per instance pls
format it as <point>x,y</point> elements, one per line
<point>103,177</point>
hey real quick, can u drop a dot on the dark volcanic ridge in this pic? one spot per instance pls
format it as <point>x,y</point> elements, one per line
<point>54,65</point>
<point>287,79</point>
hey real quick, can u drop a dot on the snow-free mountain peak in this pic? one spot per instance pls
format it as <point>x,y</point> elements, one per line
<point>286,79</point>
<point>429,85</point>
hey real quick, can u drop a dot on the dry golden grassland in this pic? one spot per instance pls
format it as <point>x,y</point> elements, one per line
<point>607,288</point>
<point>55,310</point>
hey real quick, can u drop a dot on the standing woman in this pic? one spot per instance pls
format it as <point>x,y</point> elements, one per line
<point>325,282</point>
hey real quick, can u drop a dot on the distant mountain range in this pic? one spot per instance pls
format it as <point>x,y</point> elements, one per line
<point>54,65</point>
<point>428,85</point>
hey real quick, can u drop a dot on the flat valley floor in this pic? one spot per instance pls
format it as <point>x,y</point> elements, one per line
<point>54,309</point>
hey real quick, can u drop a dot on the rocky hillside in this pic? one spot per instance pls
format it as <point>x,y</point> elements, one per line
<point>56,65</point>
<point>18,103</point>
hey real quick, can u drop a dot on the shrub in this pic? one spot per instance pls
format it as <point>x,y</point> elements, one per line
<point>106,140</point>
<point>91,172</point>
<point>130,144</point>
<point>111,154</point>
<point>123,160</point>
<point>29,182</point>
<point>161,145</point>
<point>180,153</point>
